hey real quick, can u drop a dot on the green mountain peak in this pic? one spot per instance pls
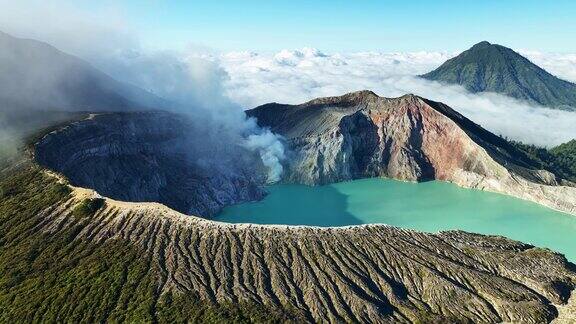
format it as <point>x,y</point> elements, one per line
<point>482,43</point>
<point>487,67</point>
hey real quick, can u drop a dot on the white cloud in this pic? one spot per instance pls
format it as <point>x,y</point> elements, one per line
<point>560,65</point>
<point>300,75</point>
<point>291,76</point>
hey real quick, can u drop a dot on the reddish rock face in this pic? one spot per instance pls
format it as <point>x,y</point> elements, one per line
<point>361,135</point>
<point>414,128</point>
<point>408,138</point>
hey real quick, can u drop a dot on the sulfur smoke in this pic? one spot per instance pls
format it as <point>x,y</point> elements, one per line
<point>221,136</point>
<point>195,87</point>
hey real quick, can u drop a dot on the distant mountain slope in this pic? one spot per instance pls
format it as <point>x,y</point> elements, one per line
<point>360,135</point>
<point>37,76</point>
<point>494,68</point>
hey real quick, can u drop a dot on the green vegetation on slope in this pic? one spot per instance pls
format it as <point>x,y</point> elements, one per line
<point>61,278</point>
<point>495,68</point>
<point>88,207</point>
<point>566,156</point>
<point>560,160</point>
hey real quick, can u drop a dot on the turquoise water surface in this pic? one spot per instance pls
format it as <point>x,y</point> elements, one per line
<point>429,206</point>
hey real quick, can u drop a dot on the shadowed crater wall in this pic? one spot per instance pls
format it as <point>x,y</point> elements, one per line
<point>152,156</point>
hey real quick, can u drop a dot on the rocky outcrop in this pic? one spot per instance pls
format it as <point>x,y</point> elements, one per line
<point>358,274</point>
<point>148,156</point>
<point>408,138</point>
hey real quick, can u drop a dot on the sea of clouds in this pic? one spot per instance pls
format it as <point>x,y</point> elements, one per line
<point>220,85</point>
<point>296,76</point>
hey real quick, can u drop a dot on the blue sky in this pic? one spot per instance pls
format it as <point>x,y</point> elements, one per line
<point>351,25</point>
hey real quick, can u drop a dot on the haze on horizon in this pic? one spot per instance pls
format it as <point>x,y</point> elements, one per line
<point>251,53</point>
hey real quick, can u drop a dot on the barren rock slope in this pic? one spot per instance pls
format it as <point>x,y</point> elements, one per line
<point>409,138</point>
<point>353,274</point>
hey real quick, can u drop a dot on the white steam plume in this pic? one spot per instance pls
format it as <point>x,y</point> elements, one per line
<point>271,150</point>
<point>194,85</point>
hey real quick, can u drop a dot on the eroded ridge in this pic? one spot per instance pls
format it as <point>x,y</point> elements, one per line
<point>372,273</point>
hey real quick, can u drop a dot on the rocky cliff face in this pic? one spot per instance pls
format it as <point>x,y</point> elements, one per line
<point>147,157</point>
<point>408,138</point>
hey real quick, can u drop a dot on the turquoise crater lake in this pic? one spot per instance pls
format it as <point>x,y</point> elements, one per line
<point>429,206</point>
